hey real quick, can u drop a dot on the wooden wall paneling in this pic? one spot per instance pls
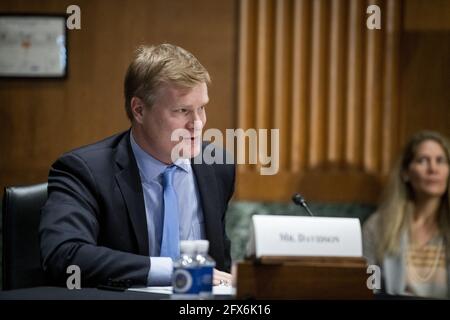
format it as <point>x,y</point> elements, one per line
<point>319,66</point>
<point>425,67</point>
<point>426,15</point>
<point>246,74</point>
<point>390,125</point>
<point>265,72</point>
<point>354,92</point>
<point>336,86</point>
<point>300,84</point>
<point>372,103</point>
<point>282,68</point>
<point>329,77</point>
<point>264,58</point>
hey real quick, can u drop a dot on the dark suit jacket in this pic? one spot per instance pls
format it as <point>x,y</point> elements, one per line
<point>95,214</point>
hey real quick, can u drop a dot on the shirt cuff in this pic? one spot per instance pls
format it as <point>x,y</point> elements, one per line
<point>160,273</point>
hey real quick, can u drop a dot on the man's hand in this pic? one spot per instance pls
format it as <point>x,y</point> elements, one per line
<point>222,278</point>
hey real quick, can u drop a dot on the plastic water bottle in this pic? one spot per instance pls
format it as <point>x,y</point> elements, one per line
<point>205,266</point>
<point>185,278</point>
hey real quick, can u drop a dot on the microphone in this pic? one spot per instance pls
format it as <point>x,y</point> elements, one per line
<point>300,201</point>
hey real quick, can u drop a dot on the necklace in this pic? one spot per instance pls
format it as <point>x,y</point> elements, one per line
<point>415,275</point>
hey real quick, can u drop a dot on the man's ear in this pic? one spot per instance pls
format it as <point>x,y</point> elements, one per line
<point>137,109</point>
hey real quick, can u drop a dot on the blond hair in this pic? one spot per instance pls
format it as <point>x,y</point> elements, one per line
<point>397,204</point>
<point>153,66</point>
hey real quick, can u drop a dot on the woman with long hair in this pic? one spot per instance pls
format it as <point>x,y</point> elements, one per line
<point>409,235</point>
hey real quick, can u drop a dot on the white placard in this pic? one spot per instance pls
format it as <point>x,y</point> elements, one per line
<point>273,235</point>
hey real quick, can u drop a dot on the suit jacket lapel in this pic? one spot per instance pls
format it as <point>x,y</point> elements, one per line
<point>209,194</point>
<point>130,185</point>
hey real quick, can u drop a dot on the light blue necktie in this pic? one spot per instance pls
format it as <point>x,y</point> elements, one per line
<point>170,244</point>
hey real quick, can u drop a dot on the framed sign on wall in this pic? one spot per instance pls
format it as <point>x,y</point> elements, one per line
<point>33,46</point>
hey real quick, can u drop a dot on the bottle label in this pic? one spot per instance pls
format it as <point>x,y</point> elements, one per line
<point>186,281</point>
<point>206,278</point>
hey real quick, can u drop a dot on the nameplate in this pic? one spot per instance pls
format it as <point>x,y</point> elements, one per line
<point>272,235</point>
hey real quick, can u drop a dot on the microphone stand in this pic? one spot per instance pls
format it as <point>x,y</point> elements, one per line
<point>300,201</point>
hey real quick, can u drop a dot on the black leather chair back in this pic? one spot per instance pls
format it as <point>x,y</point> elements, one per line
<point>21,250</point>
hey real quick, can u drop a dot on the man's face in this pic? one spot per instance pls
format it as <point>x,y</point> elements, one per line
<point>175,108</point>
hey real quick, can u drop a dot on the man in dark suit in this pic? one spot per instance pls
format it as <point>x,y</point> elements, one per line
<point>118,208</point>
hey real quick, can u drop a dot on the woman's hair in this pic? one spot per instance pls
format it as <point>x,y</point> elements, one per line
<point>157,65</point>
<point>397,204</point>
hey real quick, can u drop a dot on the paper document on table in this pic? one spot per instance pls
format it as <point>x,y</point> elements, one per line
<point>224,290</point>
<point>160,290</point>
<point>217,290</point>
